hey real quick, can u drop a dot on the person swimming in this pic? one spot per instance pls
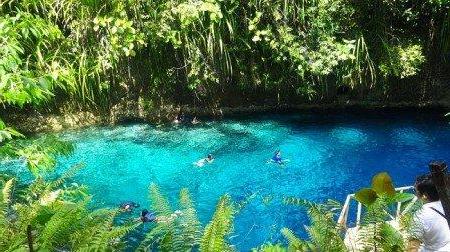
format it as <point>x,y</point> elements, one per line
<point>147,216</point>
<point>195,121</point>
<point>277,158</point>
<point>128,206</point>
<point>209,159</point>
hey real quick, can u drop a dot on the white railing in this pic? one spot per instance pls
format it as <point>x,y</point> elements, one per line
<point>343,217</point>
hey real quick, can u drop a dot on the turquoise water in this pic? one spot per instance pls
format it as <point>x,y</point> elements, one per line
<point>331,155</point>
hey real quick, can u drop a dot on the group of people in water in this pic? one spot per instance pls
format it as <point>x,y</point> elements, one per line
<point>147,216</point>
<point>276,159</point>
<point>430,231</point>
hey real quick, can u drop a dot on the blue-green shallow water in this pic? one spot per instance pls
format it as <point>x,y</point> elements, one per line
<point>331,156</point>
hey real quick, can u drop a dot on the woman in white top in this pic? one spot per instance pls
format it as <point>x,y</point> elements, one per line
<point>430,230</point>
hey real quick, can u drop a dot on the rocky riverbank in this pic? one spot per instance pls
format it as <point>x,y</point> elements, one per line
<point>35,122</point>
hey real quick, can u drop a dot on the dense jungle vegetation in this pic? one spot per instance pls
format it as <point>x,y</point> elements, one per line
<point>95,54</point>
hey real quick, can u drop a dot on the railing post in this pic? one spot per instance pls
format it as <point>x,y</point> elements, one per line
<point>358,214</point>
<point>438,171</point>
<point>342,221</point>
<point>399,206</point>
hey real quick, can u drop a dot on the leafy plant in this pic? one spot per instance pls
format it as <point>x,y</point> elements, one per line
<point>376,233</point>
<point>181,230</point>
<point>324,234</point>
<point>214,236</point>
<point>57,217</point>
<point>381,187</point>
<point>39,154</point>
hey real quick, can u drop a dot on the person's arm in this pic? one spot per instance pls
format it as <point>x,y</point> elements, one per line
<point>413,245</point>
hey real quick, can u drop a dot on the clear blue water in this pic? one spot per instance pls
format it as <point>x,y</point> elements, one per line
<point>331,155</point>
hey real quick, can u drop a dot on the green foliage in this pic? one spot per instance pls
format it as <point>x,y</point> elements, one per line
<point>214,237</point>
<point>270,248</point>
<point>403,62</point>
<point>56,223</point>
<point>7,133</point>
<point>181,230</point>
<point>376,233</point>
<point>27,71</point>
<point>39,154</point>
<point>324,234</point>
<point>382,186</point>
<point>173,231</point>
<point>91,53</point>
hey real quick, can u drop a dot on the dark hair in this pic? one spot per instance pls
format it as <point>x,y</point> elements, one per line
<point>144,212</point>
<point>210,156</point>
<point>425,186</point>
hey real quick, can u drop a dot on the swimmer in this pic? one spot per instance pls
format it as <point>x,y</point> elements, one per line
<point>177,119</point>
<point>128,206</point>
<point>147,216</point>
<point>209,159</point>
<point>277,158</point>
<point>195,121</point>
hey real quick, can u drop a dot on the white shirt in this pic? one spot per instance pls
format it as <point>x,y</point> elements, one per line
<point>431,228</point>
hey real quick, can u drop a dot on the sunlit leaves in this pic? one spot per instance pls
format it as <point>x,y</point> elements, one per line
<point>382,184</point>
<point>30,66</point>
<point>403,61</point>
<point>382,187</point>
<point>214,237</point>
<point>7,133</point>
<point>40,154</point>
<point>58,222</point>
<point>366,196</point>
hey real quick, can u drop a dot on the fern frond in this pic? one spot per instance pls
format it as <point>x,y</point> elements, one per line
<point>293,242</point>
<point>188,228</point>
<point>160,236</point>
<point>66,175</point>
<point>159,203</point>
<point>6,192</point>
<point>375,233</point>
<point>271,248</point>
<point>215,234</point>
<point>323,232</point>
<point>58,229</point>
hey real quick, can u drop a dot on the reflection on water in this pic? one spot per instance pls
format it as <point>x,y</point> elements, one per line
<point>329,158</point>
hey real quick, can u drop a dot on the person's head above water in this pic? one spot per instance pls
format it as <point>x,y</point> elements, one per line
<point>425,188</point>
<point>144,212</point>
<point>210,157</point>
<point>129,205</point>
